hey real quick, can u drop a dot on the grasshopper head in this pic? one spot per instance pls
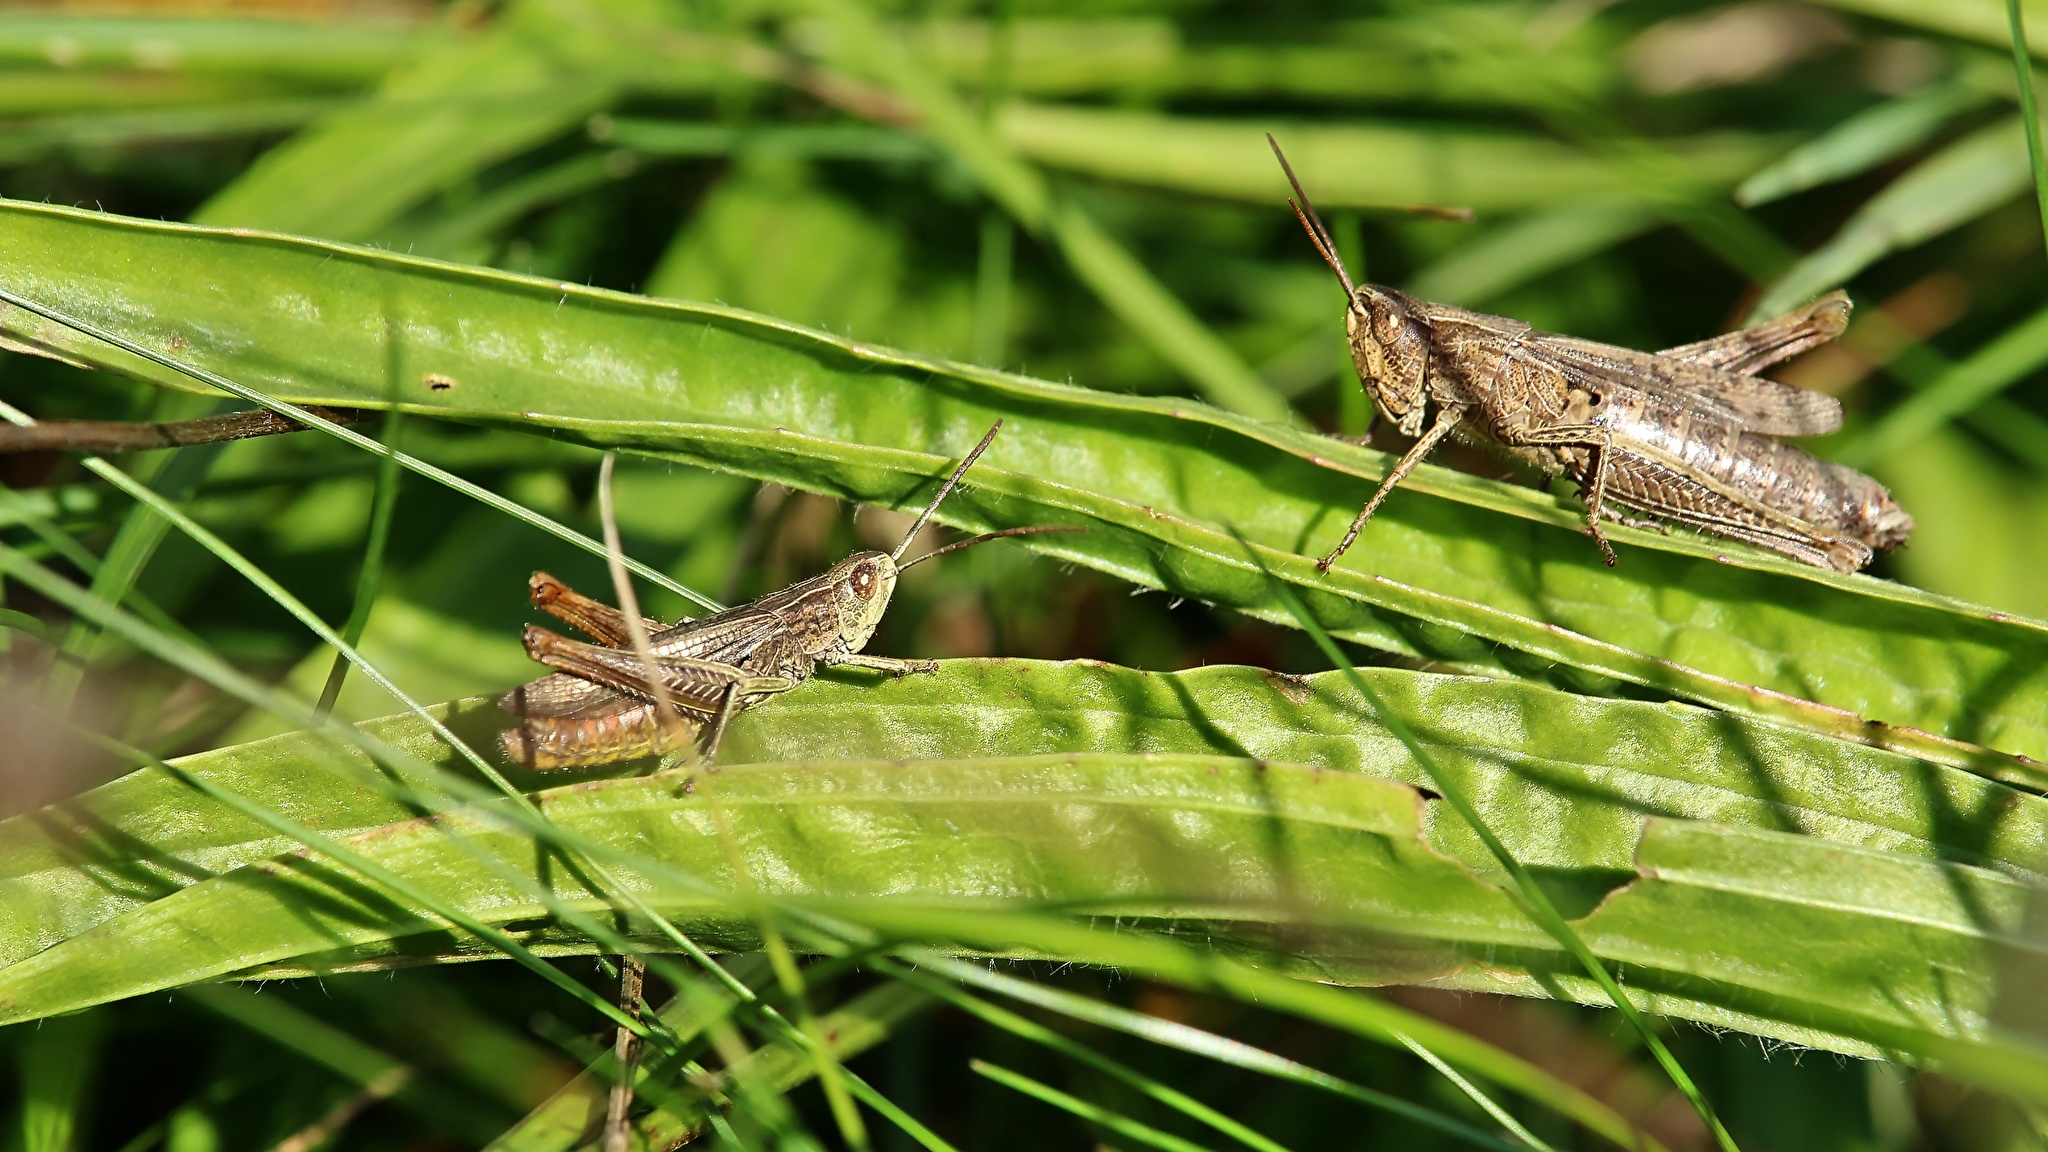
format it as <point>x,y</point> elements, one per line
<point>861,586</point>
<point>1391,350</point>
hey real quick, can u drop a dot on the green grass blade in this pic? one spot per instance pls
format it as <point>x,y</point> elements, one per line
<point>353,437</point>
<point>1983,21</point>
<point>1478,1095</point>
<point>1387,166</point>
<point>2013,356</point>
<point>1038,1033</point>
<point>2030,115</point>
<point>1108,269</point>
<point>1527,248</point>
<point>371,573</point>
<point>439,119</point>
<point>56,1070</point>
<point>1222,1049</point>
<point>1958,183</point>
<point>1864,141</point>
<point>1115,1121</point>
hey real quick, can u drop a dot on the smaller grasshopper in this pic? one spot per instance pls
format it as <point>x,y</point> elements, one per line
<point>599,706</point>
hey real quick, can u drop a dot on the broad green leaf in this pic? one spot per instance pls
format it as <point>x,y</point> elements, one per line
<point>1317,871</point>
<point>1165,486</point>
<point>1352,164</point>
<point>1952,187</point>
<point>1214,837</point>
<point>1565,780</point>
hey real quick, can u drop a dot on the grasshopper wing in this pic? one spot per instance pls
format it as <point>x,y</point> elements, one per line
<point>1759,346</point>
<point>1750,402</point>
<point>727,637</point>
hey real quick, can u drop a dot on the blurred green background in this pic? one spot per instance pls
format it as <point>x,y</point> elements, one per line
<point>1636,172</point>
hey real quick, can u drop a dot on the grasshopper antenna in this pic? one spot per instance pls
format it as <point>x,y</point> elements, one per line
<point>985,537</point>
<point>1305,212</point>
<point>945,490</point>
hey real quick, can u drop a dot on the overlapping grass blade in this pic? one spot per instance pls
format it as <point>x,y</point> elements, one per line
<point>1173,1034</point>
<point>1958,183</point>
<point>1865,141</point>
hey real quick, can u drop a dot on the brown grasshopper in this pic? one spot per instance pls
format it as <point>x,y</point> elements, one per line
<point>1685,435</point>
<point>599,705</point>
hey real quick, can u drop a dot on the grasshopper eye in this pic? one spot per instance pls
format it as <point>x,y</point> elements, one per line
<point>863,581</point>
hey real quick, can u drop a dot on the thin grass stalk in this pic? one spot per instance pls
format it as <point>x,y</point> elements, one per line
<point>1533,899</point>
<point>1187,1038</point>
<point>2030,115</point>
<point>1474,1093</point>
<point>382,505</point>
<point>1038,1033</point>
<point>66,547</point>
<point>134,545</point>
<point>1108,1118</point>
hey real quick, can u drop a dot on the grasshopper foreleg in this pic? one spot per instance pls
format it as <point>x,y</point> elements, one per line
<point>1446,420</point>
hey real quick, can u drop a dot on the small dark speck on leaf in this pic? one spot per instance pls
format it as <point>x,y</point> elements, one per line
<point>436,382</point>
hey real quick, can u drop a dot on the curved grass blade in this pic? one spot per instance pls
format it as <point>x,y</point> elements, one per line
<point>1964,386</point>
<point>382,503</point>
<point>1173,1034</point>
<point>2030,115</point>
<point>1865,650</point>
<point>1957,184</point>
<point>1096,1114</point>
<point>1864,141</point>
<point>1038,1033</point>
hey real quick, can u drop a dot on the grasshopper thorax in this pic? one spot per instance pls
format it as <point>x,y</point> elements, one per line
<point>861,586</point>
<point>1391,350</point>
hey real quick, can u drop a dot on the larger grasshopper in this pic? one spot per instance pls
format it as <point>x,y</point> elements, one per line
<point>600,705</point>
<point>1685,435</point>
